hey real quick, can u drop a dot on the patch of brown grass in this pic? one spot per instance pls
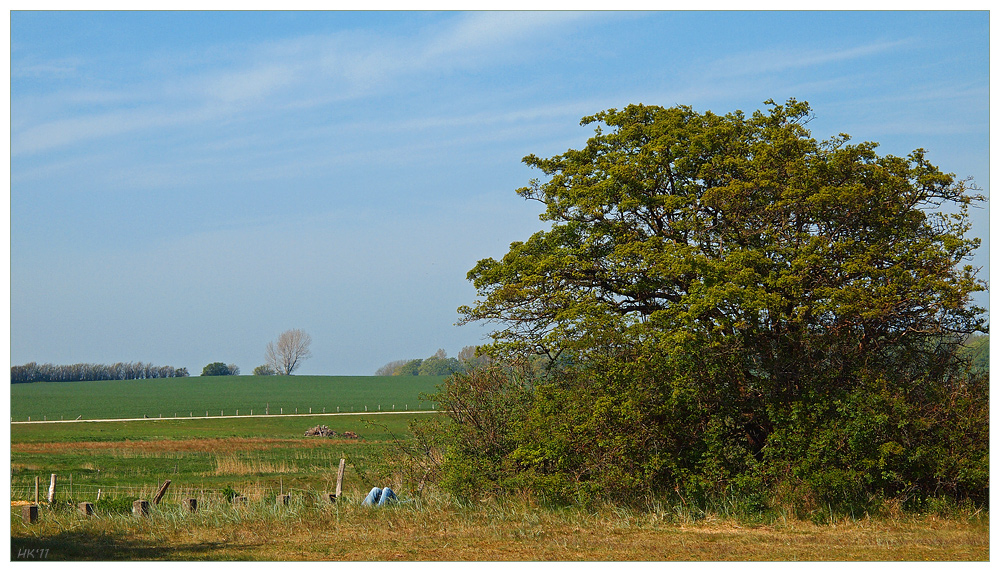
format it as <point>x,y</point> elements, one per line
<point>201,445</point>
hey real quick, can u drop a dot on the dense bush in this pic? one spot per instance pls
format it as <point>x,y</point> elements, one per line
<point>219,368</point>
<point>730,309</point>
<point>636,431</point>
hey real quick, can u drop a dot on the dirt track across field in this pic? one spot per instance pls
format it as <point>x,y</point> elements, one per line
<point>223,417</point>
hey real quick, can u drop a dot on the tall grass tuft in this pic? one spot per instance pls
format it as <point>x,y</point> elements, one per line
<point>234,465</point>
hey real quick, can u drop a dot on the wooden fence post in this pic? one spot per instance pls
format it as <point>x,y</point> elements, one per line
<point>191,505</point>
<point>140,508</point>
<point>36,489</point>
<point>52,489</point>
<point>161,491</point>
<point>86,508</point>
<point>340,477</point>
<point>29,513</point>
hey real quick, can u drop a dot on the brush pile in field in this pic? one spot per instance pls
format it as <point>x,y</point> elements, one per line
<point>321,431</point>
<point>350,435</point>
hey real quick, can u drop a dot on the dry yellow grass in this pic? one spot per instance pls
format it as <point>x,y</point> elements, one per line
<point>233,465</point>
<point>447,533</point>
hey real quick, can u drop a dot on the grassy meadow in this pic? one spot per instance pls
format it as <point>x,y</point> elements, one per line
<point>260,457</point>
<point>196,396</point>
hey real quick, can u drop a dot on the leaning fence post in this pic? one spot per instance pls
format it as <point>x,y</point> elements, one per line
<point>161,491</point>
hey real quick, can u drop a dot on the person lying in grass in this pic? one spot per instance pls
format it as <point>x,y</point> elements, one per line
<point>379,497</point>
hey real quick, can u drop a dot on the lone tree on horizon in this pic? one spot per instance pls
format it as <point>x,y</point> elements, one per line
<point>292,348</point>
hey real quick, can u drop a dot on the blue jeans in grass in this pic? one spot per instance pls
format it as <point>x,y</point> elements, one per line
<point>379,497</point>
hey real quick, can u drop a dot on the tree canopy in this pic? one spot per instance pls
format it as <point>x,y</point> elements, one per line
<point>219,368</point>
<point>736,274</point>
<point>741,230</point>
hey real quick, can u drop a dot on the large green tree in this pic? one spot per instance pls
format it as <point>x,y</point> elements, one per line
<point>733,270</point>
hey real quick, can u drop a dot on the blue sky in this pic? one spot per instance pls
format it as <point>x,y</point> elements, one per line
<point>186,186</point>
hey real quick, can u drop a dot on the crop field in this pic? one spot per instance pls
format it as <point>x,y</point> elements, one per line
<point>217,396</point>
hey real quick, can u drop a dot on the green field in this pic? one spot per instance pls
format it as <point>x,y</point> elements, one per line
<point>214,396</point>
<point>256,456</point>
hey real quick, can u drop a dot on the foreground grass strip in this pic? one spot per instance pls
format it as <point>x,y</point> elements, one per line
<point>307,531</point>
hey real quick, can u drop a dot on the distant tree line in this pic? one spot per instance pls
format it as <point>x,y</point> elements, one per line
<point>32,372</point>
<point>437,364</point>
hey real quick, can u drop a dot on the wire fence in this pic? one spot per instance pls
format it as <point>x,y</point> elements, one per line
<point>89,492</point>
<point>233,413</point>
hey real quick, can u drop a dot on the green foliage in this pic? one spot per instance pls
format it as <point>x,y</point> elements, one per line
<point>729,307</point>
<point>411,367</point>
<point>264,370</point>
<point>440,366</point>
<point>977,351</point>
<point>229,493</point>
<point>437,364</point>
<point>215,368</point>
<point>115,505</point>
<point>485,406</point>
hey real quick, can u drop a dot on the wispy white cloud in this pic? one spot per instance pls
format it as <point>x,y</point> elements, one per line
<point>779,60</point>
<point>50,134</point>
<point>301,72</point>
<point>51,69</point>
<point>476,32</point>
<point>250,84</point>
